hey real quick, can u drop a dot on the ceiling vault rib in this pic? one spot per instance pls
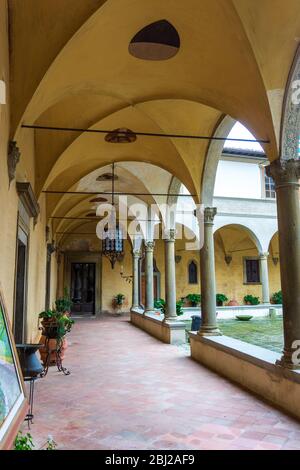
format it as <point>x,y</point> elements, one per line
<point>146,134</point>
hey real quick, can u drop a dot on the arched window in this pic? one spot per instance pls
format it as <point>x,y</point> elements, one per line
<point>193,273</point>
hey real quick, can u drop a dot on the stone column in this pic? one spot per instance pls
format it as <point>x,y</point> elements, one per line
<point>208,279</point>
<point>286,175</point>
<point>264,273</point>
<point>149,248</point>
<point>170,276</point>
<point>136,254</point>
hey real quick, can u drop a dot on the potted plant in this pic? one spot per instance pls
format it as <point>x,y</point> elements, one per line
<point>55,326</point>
<point>64,304</point>
<point>277,298</point>
<point>232,303</point>
<point>194,299</point>
<point>220,299</point>
<point>251,300</point>
<point>118,301</point>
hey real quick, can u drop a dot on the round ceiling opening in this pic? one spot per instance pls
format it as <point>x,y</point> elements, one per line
<point>157,41</point>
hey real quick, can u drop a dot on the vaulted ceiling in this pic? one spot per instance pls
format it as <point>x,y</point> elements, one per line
<point>71,67</point>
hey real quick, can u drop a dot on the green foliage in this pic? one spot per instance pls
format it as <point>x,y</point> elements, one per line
<point>58,320</point>
<point>277,298</point>
<point>161,305</point>
<point>251,299</point>
<point>221,298</point>
<point>23,442</point>
<point>64,304</point>
<point>119,299</point>
<point>179,309</point>
<point>47,314</point>
<point>50,444</point>
<point>195,299</point>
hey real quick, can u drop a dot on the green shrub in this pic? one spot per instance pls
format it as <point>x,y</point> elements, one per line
<point>179,309</point>
<point>277,297</point>
<point>160,304</point>
<point>195,299</point>
<point>221,298</point>
<point>251,299</point>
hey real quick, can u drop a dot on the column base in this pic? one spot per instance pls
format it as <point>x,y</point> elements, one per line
<point>287,361</point>
<point>207,330</point>
<point>149,310</point>
<point>171,319</point>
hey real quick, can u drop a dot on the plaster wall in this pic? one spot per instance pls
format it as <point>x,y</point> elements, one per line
<point>8,197</point>
<point>9,207</point>
<point>238,179</point>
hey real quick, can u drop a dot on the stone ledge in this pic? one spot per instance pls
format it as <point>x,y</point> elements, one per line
<point>165,331</point>
<point>252,367</point>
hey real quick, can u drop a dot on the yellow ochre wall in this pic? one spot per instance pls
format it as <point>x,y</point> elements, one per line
<point>9,208</point>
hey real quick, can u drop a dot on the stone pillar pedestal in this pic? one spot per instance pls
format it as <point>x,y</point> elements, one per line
<point>264,273</point>
<point>135,278</point>
<point>149,248</point>
<point>170,276</point>
<point>286,175</point>
<point>208,279</point>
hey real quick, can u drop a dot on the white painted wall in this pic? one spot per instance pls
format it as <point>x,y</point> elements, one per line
<point>238,179</point>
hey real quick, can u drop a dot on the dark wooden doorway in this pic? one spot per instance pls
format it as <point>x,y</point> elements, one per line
<point>83,288</point>
<point>20,287</point>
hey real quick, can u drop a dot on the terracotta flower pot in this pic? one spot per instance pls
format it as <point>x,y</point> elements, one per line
<point>52,346</point>
<point>232,303</point>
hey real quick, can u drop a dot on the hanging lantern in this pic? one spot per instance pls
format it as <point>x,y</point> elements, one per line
<point>112,245</point>
<point>112,241</point>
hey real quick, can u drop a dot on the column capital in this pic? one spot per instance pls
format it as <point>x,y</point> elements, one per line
<point>149,245</point>
<point>284,172</point>
<point>170,235</point>
<point>264,255</point>
<point>136,253</point>
<point>209,214</point>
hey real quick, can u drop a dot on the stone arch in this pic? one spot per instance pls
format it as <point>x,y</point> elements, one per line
<point>249,230</point>
<point>212,159</point>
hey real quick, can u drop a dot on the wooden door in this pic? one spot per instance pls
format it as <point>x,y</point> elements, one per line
<point>83,288</point>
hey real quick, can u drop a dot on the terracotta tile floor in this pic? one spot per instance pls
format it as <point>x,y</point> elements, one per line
<point>129,391</point>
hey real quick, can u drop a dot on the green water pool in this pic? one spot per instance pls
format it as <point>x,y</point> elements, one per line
<point>261,331</point>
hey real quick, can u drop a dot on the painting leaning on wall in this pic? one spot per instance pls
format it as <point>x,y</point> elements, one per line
<point>13,403</point>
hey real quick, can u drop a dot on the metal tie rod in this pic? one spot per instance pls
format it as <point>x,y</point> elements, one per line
<point>92,193</point>
<point>146,134</point>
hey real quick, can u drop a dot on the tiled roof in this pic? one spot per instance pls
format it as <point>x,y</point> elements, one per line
<point>243,152</point>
